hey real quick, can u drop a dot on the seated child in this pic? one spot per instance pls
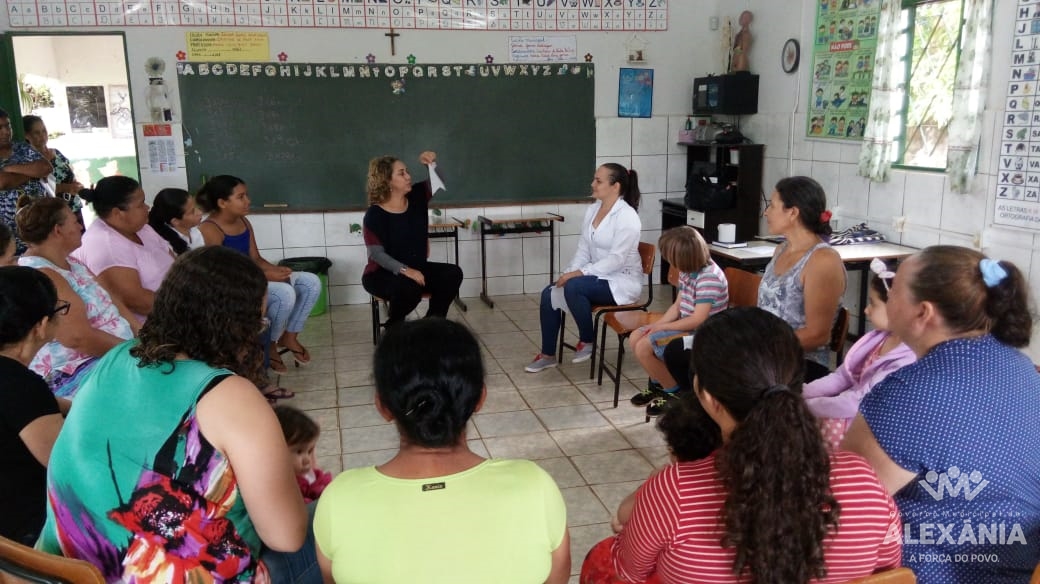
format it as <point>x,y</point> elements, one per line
<point>301,435</point>
<point>691,435</point>
<point>835,398</point>
<point>703,291</point>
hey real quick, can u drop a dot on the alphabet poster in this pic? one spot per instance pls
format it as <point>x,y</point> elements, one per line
<point>1018,166</point>
<point>500,15</point>
<point>843,65</point>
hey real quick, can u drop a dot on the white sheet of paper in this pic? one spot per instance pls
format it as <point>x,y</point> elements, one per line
<point>687,342</point>
<point>436,184</point>
<point>557,300</point>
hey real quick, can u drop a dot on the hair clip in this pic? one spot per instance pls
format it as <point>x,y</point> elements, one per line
<point>880,268</point>
<point>417,407</point>
<point>992,272</point>
<point>825,216</point>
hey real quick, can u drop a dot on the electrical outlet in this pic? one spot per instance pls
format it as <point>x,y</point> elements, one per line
<point>899,224</point>
<point>976,241</point>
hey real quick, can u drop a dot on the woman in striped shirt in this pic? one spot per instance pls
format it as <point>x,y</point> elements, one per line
<point>770,505</point>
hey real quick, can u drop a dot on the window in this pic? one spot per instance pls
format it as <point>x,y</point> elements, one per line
<point>932,31</point>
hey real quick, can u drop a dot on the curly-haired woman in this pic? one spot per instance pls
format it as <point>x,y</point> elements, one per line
<point>772,504</point>
<point>395,232</point>
<point>171,468</point>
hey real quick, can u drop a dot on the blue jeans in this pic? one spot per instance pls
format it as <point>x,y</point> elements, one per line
<point>299,567</point>
<point>290,303</point>
<point>581,293</point>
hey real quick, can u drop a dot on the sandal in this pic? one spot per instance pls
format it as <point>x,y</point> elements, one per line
<point>276,363</point>
<point>277,393</point>
<point>299,357</point>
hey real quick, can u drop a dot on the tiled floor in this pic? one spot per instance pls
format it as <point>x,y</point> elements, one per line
<point>558,418</point>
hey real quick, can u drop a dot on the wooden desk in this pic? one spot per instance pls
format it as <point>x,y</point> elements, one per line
<point>507,225</point>
<point>442,227</point>
<point>856,258</point>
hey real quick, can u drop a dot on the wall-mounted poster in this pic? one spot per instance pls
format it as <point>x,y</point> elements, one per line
<point>87,107</point>
<point>1018,169</point>
<point>635,93</point>
<point>843,66</point>
<point>119,111</point>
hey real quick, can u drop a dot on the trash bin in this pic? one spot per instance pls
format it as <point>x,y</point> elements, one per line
<point>315,265</point>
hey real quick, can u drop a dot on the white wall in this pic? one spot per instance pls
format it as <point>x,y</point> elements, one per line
<point>933,214</point>
<point>688,49</point>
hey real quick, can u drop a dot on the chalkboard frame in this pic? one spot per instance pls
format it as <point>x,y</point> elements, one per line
<point>504,134</point>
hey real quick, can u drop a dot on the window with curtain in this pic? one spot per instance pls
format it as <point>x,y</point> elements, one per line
<point>932,49</point>
<point>929,88</point>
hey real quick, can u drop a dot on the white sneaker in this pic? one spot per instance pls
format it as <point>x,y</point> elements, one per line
<point>541,362</point>
<point>582,353</point>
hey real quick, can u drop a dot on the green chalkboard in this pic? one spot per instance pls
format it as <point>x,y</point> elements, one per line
<point>301,135</point>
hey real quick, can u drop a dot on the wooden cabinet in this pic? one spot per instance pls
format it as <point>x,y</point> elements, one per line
<point>743,171</point>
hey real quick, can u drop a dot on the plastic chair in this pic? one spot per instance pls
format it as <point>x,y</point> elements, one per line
<point>743,287</point>
<point>622,323</point>
<point>19,563</point>
<point>646,255</point>
<point>895,576</point>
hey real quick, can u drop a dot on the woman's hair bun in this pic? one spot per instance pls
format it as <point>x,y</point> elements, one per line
<point>87,195</point>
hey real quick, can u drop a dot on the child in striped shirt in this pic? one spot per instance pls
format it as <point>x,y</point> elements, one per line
<point>703,291</point>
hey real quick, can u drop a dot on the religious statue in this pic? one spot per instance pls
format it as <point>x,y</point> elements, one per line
<point>741,44</point>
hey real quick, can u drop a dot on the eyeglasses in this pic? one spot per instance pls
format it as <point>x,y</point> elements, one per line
<point>61,308</point>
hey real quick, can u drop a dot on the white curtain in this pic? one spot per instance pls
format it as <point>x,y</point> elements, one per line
<point>969,94</point>
<point>886,95</point>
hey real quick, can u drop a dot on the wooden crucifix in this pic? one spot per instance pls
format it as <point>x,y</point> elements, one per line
<point>393,36</point>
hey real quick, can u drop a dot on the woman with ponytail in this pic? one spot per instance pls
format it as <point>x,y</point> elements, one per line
<point>175,217</point>
<point>954,435</point>
<point>772,504</point>
<point>606,268</point>
<point>804,282</point>
<point>437,512</point>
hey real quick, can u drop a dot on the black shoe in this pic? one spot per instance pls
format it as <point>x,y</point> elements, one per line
<point>653,390</point>
<point>659,405</point>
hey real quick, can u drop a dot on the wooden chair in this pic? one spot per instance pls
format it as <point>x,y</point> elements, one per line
<point>896,576</point>
<point>622,323</point>
<point>840,333</point>
<point>377,324</point>
<point>19,564</point>
<point>743,287</point>
<point>646,255</point>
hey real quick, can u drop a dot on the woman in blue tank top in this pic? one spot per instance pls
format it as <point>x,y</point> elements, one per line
<point>290,295</point>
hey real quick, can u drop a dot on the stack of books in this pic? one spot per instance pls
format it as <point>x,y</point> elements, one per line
<point>730,245</point>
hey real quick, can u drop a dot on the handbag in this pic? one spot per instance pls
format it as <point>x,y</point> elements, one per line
<point>703,194</point>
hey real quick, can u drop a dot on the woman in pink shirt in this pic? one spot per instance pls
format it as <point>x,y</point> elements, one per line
<point>128,257</point>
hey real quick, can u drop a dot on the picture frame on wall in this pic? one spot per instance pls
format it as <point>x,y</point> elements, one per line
<point>635,93</point>
<point>87,109</point>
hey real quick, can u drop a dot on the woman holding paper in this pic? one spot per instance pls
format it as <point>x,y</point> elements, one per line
<point>396,236</point>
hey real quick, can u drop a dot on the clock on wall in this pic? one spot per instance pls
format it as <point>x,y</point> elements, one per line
<point>790,55</point>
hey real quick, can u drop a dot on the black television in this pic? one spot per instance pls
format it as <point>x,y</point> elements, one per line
<point>734,94</point>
